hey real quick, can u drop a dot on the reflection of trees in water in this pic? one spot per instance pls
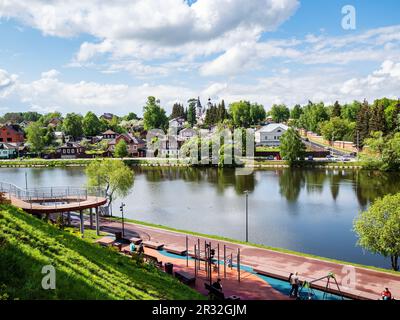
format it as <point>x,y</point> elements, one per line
<point>291,181</point>
<point>370,185</point>
<point>218,177</point>
<point>367,185</point>
<point>314,180</point>
<point>335,177</point>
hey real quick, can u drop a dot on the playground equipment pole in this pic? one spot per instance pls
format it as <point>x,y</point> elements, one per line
<point>198,248</point>
<point>224,261</point>
<point>187,251</point>
<point>195,261</point>
<point>218,259</point>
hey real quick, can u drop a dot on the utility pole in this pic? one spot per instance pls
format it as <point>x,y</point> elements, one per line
<point>122,212</point>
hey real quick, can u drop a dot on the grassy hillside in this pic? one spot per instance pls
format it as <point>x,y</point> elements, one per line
<point>83,270</point>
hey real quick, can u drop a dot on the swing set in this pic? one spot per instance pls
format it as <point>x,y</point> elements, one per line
<point>310,293</point>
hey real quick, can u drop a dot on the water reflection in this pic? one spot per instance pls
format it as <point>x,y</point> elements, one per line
<point>220,179</point>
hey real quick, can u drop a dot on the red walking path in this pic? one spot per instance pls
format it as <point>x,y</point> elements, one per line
<point>356,282</point>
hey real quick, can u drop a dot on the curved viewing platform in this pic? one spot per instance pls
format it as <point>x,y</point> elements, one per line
<point>53,199</point>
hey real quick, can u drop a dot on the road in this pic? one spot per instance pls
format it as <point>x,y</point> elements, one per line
<point>320,147</point>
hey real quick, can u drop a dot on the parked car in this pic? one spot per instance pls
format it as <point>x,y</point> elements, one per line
<point>310,158</point>
<point>270,158</point>
<point>329,156</point>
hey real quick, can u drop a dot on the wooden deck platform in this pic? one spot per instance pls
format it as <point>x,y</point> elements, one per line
<point>72,204</point>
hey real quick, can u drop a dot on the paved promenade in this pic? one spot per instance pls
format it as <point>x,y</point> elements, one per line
<point>358,282</point>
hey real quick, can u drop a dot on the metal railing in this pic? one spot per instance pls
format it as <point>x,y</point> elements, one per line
<point>51,195</point>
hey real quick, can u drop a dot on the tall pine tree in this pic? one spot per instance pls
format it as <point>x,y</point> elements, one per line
<point>377,121</point>
<point>362,124</point>
<point>336,110</point>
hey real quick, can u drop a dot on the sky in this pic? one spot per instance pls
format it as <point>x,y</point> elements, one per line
<point>109,56</point>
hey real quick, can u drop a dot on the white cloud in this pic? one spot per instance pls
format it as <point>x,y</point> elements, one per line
<point>49,93</point>
<point>151,29</point>
<point>7,82</point>
<point>384,82</point>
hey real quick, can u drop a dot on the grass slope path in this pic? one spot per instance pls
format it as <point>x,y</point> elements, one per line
<point>83,270</point>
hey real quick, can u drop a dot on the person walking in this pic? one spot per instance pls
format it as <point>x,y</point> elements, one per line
<point>294,282</point>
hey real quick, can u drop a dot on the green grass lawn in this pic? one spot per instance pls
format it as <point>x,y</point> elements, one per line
<point>83,270</point>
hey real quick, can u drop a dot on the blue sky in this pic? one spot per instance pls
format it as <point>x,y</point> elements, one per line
<point>108,57</point>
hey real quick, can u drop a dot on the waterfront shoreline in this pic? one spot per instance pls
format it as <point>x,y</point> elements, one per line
<point>143,162</point>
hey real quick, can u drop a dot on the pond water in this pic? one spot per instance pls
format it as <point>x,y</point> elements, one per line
<point>310,211</point>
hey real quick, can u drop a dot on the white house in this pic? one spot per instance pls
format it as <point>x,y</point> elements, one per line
<point>187,134</point>
<point>270,134</point>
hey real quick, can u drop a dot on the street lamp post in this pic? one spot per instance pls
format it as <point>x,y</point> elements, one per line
<point>122,212</point>
<point>247,215</point>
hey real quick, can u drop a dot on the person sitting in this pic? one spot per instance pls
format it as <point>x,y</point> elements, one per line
<point>217,285</point>
<point>141,249</point>
<point>132,247</point>
<point>386,294</point>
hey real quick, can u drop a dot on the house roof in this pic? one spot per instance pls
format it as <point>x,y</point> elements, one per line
<point>109,131</point>
<point>12,127</point>
<point>129,138</point>
<point>71,145</point>
<point>272,127</point>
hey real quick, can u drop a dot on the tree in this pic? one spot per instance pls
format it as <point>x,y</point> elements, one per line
<point>337,129</point>
<point>350,111</point>
<point>362,124</point>
<point>376,142</point>
<point>257,113</point>
<point>296,112</point>
<point>113,176</point>
<point>222,113</point>
<point>279,113</point>
<point>336,110</point>
<point>72,125</point>
<point>131,116</point>
<point>49,136</point>
<point>377,121</point>
<point>378,228</point>
<point>240,112</point>
<point>292,147</point>
<point>211,116</point>
<point>35,136</point>
<point>154,116</point>
<point>178,111</point>
<point>121,149</point>
<point>313,115</point>
<point>191,114</point>
<point>91,125</point>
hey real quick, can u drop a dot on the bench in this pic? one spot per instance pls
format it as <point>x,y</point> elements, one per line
<point>214,293</point>
<point>153,245</point>
<point>185,277</point>
<point>152,260</point>
<point>176,251</point>
<point>105,241</point>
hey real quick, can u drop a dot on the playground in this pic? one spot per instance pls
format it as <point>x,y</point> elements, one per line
<point>248,272</point>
